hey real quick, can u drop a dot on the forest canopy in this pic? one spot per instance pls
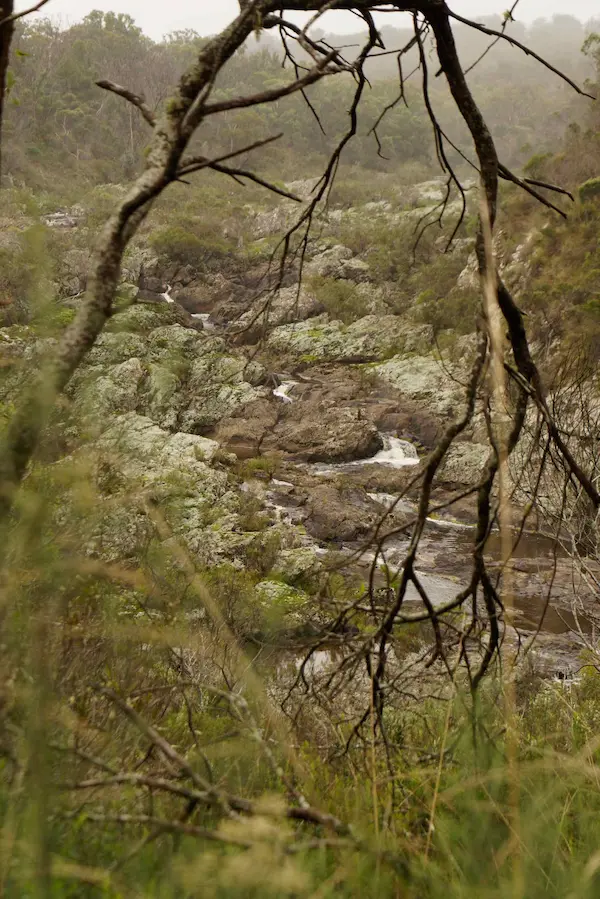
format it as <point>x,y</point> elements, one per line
<point>57,113</point>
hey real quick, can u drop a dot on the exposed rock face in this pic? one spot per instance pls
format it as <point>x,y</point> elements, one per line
<point>425,380</point>
<point>339,263</point>
<point>65,218</point>
<point>244,434</point>
<point>72,272</point>
<point>307,433</point>
<point>299,565</point>
<point>155,389</point>
<point>335,415</point>
<point>334,435</point>
<point>137,463</point>
<point>340,514</point>
<point>464,463</point>
<point>514,265</point>
<point>288,305</point>
<point>321,340</point>
<point>182,379</point>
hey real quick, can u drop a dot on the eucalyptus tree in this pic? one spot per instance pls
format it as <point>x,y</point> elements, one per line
<point>8,18</point>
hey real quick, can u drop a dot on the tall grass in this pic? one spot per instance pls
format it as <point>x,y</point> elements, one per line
<point>435,820</point>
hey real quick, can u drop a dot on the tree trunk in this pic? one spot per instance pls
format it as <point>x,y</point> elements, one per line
<point>6,34</point>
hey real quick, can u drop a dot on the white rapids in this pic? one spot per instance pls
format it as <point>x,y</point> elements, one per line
<point>396,453</point>
<point>283,391</point>
<point>167,295</point>
<point>204,318</point>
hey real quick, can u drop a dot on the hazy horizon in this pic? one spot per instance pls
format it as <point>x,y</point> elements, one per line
<point>158,19</point>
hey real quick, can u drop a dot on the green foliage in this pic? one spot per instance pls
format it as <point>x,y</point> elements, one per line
<point>191,243</point>
<point>566,282</point>
<point>342,299</point>
<point>589,192</point>
<point>252,514</point>
<point>265,466</point>
<point>535,167</point>
<point>168,634</point>
<point>457,311</point>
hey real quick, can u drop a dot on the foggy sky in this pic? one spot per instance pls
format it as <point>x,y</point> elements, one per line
<point>207,16</point>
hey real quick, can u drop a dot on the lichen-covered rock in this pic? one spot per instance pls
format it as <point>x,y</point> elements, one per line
<point>173,340</point>
<point>320,340</point>
<point>424,193</point>
<point>288,305</point>
<point>180,378</point>
<point>425,379</point>
<point>137,318</point>
<point>162,399</point>
<point>117,532</point>
<point>216,389</point>
<point>273,221</point>
<point>464,463</point>
<point>72,271</point>
<point>137,466</point>
<point>112,349</point>
<point>283,607</point>
<point>298,565</point>
<point>339,263</point>
<point>340,514</point>
<point>147,449</point>
<point>113,393</point>
<point>139,262</point>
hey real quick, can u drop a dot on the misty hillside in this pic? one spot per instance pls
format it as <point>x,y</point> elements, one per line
<point>56,109</point>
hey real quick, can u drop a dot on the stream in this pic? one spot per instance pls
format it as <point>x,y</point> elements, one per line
<point>396,453</point>
<point>204,317</point>
<point>443,561</point>
<point>445,553</point>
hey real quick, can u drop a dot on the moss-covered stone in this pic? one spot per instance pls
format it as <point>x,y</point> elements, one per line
<point>283,607</point>
<point>298,565</point>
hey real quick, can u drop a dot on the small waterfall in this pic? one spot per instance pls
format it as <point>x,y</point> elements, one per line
<point>396,453</point>
<point>204,318</point>
<point>282,392</point>
<point>167,295</point>
<point>410,508</point>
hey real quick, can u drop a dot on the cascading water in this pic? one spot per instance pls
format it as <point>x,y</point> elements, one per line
<point>396,453</point>
<point>204,318</point>
<point>283,390</point>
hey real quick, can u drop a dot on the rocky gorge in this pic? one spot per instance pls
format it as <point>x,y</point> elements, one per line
<point>281,427</point>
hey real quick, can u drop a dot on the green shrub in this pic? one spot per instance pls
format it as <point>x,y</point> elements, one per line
<point>190,242</point>
<point>589,191</point>
<point>536,166</point>
<point>342,299</point>
<point>457,311</point>
<point>261,466</point>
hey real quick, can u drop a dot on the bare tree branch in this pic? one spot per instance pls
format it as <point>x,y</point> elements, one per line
<point>25,12</point>
<point>501,35</point>
<point>128,95</point>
